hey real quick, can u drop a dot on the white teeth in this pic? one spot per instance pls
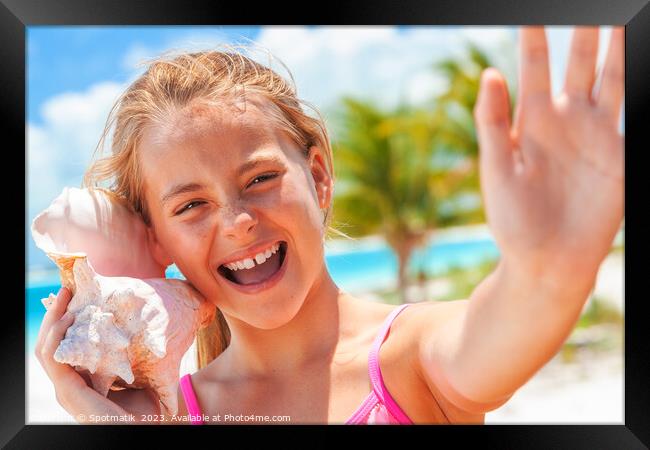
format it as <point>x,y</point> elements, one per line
<point>260,258</point>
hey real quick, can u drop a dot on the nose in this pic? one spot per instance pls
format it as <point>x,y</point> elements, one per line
<point>237,222</point>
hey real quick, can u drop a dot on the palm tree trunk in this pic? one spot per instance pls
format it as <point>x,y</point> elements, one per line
<point>403,257</point>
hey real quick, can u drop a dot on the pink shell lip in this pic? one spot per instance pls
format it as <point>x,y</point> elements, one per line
<point>250,252</point>
<point>266,284</point>
<point>99,225</point>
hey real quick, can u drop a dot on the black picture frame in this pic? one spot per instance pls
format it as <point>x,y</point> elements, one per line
<point>16,15</point>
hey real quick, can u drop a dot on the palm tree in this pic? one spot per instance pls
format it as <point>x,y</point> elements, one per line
<point>405,172</point>
<point>454,108</point>
<point>386,182</point>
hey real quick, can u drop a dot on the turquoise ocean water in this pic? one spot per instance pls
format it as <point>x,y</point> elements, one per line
<point>372,265</point>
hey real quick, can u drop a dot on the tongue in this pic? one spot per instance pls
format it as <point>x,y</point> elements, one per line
<point>258,273</point>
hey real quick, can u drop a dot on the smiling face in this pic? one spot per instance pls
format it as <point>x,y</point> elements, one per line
<point>237,206</point>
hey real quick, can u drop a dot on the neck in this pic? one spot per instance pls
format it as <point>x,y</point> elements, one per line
<point>311,336</point>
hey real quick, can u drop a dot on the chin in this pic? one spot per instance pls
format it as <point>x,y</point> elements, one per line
<point>272,316</point>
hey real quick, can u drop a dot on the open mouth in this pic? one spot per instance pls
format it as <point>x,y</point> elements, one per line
<point>255,270</point>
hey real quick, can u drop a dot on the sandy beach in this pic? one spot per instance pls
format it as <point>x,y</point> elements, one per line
<point>40,399</point>
<point>589,391</point>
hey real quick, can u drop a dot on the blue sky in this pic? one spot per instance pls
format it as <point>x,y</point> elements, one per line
<point>74,74</point>
<point>61,59</point>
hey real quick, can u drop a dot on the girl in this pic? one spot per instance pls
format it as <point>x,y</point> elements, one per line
<point>234,182</point>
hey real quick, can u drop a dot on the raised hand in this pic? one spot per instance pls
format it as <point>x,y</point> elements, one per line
<point>553,181</point>
<point>552,184</point>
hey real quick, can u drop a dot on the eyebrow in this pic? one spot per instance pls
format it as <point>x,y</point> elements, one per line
<point>259,161</point>
<point>184,188</point>
<point>180,189</point>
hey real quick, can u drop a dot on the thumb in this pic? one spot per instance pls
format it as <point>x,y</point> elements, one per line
<point>492,116</point>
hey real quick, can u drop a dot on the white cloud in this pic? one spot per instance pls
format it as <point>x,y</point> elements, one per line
<point>135,55</point>
<point>377,62</point>
<point>425,85</point>
<point>59,149</point>
<point>80,108</point>
<point>381,63</point>
<point>195,41</point>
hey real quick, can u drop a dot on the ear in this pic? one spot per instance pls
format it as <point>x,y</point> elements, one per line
<point>158,253</point>
<point>322,179</point>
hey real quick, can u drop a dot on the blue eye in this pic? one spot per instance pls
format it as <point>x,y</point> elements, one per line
<point>189,206</point>
<point>262,178</point>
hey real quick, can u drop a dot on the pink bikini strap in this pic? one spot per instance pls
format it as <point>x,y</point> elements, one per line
<point>190,399</point>
<point>375,372</point>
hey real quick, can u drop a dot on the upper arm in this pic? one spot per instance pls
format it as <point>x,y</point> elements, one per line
<point>436,339</point>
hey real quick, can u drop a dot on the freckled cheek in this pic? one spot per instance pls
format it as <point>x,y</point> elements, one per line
<point>188,243</point>
<point>297,204</point>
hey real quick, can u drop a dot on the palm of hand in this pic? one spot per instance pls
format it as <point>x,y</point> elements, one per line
<point>553,183</point>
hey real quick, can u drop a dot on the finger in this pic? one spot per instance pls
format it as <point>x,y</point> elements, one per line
<point>53,314</point>
<point>492,115</point>
<point>63,375</point>
<point>534,79</point>
<point>49,301</point>
<point>59,305</point>
<point>612,86</point>
<point>55,370</point>
<point>56,334</point>
<point>581,69</point>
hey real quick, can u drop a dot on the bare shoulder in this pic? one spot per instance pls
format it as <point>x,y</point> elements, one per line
<point>420,319</point>
<point>363,317</point>
<point>401,364</point>
<point>409,325</point>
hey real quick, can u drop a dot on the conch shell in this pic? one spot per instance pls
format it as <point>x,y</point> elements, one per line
<point>132,326</point>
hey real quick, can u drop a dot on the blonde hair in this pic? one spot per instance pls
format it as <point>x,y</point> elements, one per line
<point>173,82</point>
